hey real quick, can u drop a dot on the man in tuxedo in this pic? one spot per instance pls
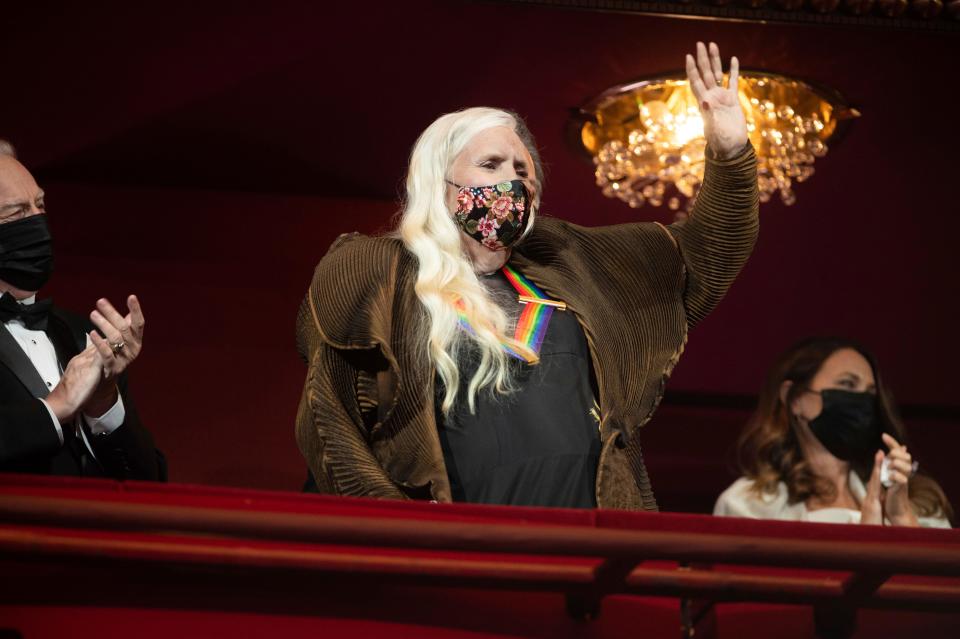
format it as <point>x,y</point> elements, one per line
<point>64,406</point>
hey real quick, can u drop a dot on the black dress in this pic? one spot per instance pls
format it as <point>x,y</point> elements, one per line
<point>539,445</point>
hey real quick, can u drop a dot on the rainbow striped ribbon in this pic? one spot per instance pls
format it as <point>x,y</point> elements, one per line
<point>532,324</point>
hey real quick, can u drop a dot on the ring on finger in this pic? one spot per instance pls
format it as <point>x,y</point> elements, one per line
<point>886,473</point>
<point>116,347</point>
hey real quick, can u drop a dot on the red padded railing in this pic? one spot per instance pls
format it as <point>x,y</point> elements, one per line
<point>587,555</point>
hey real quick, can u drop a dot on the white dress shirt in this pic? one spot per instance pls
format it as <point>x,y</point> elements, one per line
<point>43,355</point>
<point>741,500</point>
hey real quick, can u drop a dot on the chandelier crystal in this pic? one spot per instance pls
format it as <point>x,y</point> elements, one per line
<point>647,143</point>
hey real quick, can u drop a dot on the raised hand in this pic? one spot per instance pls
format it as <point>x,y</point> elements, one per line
<point>724,125</point>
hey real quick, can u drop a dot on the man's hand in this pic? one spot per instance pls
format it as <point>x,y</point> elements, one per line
<point>81,377</point>
<point>122,345</point>
<point>724,124</point>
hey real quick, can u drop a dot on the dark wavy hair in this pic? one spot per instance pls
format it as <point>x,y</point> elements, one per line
<point>768,449</point>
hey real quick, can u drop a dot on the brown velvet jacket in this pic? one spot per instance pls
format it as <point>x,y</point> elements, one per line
<point>367,417</point>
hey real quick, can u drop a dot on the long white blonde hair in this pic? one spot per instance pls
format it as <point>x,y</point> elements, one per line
<point>445,275</point>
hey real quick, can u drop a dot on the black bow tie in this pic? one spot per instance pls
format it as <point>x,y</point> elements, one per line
<point>33,316</point>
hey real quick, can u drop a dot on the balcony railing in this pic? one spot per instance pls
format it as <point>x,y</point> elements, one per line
<point>143,533</point>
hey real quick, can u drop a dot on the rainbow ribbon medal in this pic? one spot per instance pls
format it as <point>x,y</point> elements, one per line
<point>512,348</point>
<point>537,310</point>
<point>533,320</point>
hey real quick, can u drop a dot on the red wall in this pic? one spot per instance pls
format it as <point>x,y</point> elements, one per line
<point>221,274</point>
<point>326,98</point>
<point>220,277</point>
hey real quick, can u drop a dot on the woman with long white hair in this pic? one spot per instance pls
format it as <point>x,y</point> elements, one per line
<point>487,353</point>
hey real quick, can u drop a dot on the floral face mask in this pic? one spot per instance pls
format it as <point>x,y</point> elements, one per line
<point>495,216</point>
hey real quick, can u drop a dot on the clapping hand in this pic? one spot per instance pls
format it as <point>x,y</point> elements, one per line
<point>896,502</point>
<point>122,345</point>
<point>80,379</point>
<point>893,502</point>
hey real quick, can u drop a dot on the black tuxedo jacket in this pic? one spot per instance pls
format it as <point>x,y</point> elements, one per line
<point>29,441</point>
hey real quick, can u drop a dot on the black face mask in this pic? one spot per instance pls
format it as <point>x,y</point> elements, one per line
<point>847,426</point>
<point>26,254</point>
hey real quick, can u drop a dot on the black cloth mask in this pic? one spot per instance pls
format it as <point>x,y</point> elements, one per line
<point>847,425</point>
<point>26,253</point>
<point>495,216</point>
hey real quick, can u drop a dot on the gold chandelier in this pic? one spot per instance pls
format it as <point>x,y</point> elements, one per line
<point>647,143</point>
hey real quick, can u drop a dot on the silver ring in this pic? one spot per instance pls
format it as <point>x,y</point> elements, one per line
<point>119,346</point>
<point>886,480</point>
